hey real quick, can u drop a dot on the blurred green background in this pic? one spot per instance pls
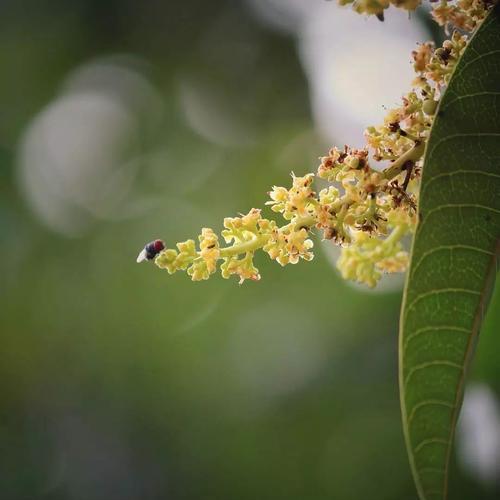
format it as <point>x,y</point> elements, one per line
<point>123,121</point>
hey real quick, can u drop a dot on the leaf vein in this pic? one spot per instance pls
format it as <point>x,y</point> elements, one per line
<point>450,137</point>
<point>468,96</point>
<point>457,172</point>
<point>450,248</point>
<point>428,364</point>
<point>428,402</point>
<point>475,59</point>
<point>455,205</point>
<point>424,295</point>
<point>419,331</point>
<point>427,442</point>
<point>424,470</point>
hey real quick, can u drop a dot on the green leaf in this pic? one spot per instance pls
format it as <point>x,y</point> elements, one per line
<point>454,258</point>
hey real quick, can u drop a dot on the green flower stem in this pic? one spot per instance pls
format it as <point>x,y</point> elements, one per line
<point>411,137</point>
<point>414,154</point>
<point>304,222</point>
<point>254,243</point>
<point>397,233</point>
<point>369,212</point>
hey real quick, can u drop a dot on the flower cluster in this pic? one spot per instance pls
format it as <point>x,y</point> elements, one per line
<point>364,210</point>
<point>462,14</point>
<point>245,235</point>
<point>368,258</point>
<point>377,7</point>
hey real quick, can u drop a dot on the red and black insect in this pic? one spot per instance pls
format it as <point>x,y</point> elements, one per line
<point>151,250</point>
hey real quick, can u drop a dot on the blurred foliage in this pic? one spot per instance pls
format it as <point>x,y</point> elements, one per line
<point>119,381</point>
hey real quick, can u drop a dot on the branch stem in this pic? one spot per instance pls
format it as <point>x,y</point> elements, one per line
<point>413,154</point>
<point>256,242</point>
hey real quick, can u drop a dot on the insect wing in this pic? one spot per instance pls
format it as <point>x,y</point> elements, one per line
<point>142,256</point>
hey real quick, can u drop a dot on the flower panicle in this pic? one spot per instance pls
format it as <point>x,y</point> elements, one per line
<point>245,234</point>
<point>366,211</point>
<point>341,218</point>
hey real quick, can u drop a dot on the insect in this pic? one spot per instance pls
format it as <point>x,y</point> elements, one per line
<point>151,250</point>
